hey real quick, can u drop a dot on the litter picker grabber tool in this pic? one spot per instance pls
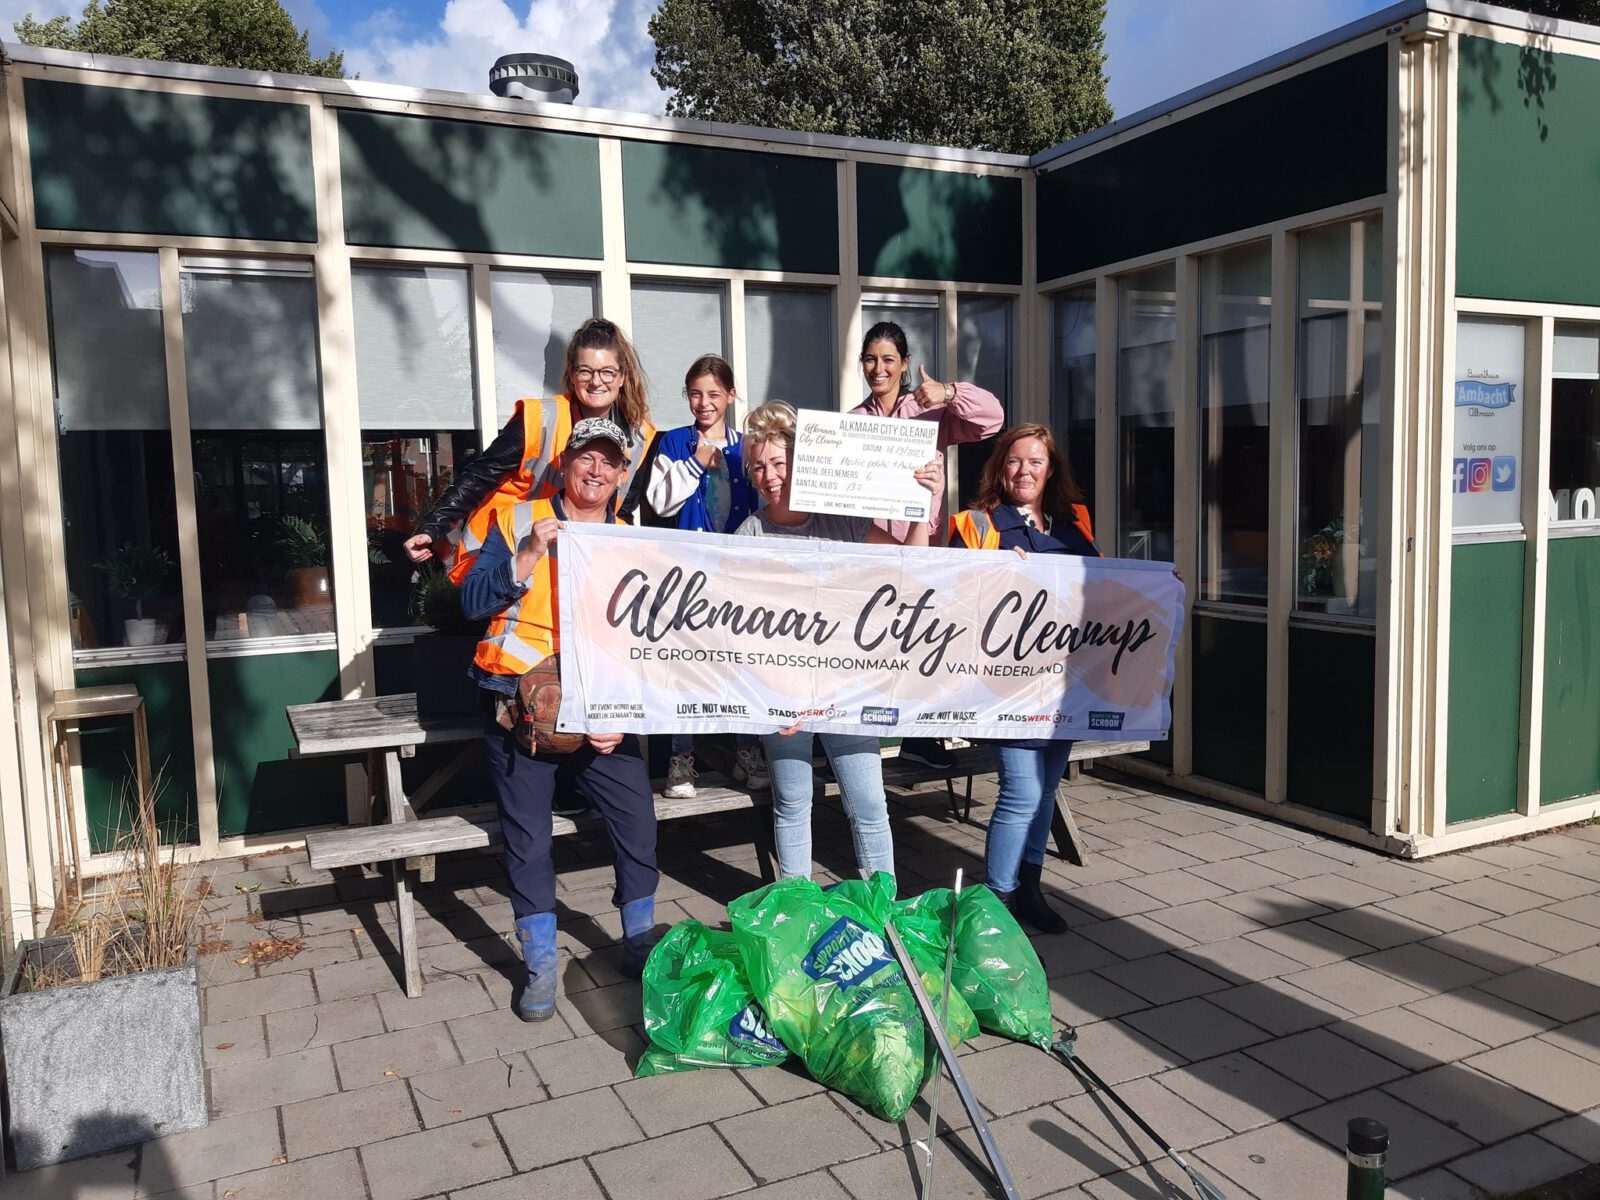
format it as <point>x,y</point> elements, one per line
<point>1065,1050</point>
<point>944,1015</point>
<point>963,1089</point>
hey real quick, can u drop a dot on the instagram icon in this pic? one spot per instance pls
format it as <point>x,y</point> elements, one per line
<point>1478,475</point>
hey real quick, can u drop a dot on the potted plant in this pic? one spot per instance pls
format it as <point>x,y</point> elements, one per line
<point>136,573</point>
<point>440,659</point>
<point>305,548</point>
<point>100,1027</point>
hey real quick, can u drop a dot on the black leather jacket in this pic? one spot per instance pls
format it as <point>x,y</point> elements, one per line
<point>482,473</point>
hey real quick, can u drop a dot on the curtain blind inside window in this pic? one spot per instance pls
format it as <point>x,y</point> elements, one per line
<point>983,344</point>
<point>674,324</point>
<point>413,331</point>
<point>250,349</point>
<point>788,340</point>
<point>534,316</point>
<point>105,339</point>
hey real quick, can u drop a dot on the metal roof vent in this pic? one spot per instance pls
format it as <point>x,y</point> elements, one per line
<point>534,77</point>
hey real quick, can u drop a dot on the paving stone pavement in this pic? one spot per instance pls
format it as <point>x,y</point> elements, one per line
<point>1249,985</point>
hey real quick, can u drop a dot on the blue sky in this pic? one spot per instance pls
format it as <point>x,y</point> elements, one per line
<point>1156,48</point>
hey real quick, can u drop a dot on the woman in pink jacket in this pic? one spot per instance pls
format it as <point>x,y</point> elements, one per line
<point>965,412</point>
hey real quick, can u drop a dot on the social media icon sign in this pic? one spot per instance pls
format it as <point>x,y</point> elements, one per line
<point>1503,474</point>
<point>1478,470</point>
<point>1459,476</point>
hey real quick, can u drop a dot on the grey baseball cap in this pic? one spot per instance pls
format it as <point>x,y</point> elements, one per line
<point>597,429</point>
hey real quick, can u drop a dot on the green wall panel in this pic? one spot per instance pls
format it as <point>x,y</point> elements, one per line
<point>1570,759</point>
<point>1316,139</point>
<point>123,160</point>
<point>1330,720</point>
<point>106,749</point>
<point>1528,172</point>
<point>259,787</point>
<point>912,223</point>
<point>704,206</point>
<point>1485,680</point>
<point>1230,701</point>
<point>459,185</point>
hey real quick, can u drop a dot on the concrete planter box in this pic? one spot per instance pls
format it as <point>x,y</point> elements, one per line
<point>94,1066</point>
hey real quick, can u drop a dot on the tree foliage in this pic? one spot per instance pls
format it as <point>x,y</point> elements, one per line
<point>256,35</point>
<point>1585,11</point>
<point>1010,75</point>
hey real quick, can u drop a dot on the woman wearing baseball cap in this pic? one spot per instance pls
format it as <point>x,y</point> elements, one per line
<point>512,584</point>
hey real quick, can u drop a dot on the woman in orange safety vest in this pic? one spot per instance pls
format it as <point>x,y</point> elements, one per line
<point>1027,502</point>
<point>602,379</point>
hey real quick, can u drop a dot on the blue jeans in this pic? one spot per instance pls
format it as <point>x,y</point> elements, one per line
<point>858,767</point>
<point>1019,827</point>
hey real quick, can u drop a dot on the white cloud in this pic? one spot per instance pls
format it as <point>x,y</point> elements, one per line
<point>605,39</point>
<point>1159,48</point>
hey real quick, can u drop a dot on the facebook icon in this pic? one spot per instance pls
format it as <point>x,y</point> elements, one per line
<point>1459,477</point>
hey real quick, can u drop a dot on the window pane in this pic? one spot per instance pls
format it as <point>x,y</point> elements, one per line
<point>413,329</point>
<point>1338,369</point>
<point>260,462</point>
<point>1235,344</point>
<point>1575,424</point>
<point>403,473</point>
<point>983,357</point>
<point>534,316</point>
<point>919,317</point>
<point>788,340</point>
<point>1072,363</point>
<point>1147,322</point>
<point>674,324</point>
<point>1488,419</point>
<point>119,512</point>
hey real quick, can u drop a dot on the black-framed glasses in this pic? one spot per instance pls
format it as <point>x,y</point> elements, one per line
<point>603,374</point>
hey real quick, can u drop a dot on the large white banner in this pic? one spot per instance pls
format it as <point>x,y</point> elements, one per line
<point>670,632</point>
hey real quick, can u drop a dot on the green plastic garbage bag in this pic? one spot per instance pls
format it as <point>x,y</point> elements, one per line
<point>833,992</point>
<point>698,1008</point>
<point>996,969</point>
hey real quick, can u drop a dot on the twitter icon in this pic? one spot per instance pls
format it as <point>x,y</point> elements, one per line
<point>1503,473</point>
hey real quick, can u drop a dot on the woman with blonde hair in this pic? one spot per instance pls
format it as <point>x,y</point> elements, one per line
<point>602,378</point>
<point>1028,503</point>
<point>769,435</point>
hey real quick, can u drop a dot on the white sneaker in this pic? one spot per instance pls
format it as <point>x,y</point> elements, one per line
<point>750,768</point>
<point>680,778</point>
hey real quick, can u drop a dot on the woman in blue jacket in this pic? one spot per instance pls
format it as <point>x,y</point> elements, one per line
<point>1027,502</point>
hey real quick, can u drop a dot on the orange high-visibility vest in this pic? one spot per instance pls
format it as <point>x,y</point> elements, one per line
<point>546,426</point>
<point>976,529</point>
<point>528,630</point>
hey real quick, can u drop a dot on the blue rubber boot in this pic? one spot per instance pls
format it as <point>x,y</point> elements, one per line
<point>638,934</point>
<point>537,934</point>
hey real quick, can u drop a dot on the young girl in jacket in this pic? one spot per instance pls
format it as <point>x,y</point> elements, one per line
<point>697,480</point>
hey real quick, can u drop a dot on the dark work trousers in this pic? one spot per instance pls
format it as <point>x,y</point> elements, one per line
<point>616,784</point>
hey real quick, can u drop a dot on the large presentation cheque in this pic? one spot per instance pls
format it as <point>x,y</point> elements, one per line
<point>671,632</point>
<point>859,466</point>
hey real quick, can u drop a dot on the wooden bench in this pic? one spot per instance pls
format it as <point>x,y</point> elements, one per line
<point>386,729</point>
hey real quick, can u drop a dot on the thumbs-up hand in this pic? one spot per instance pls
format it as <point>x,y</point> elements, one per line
<point>930,392</point>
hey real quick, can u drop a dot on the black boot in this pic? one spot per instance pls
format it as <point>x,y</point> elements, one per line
<point>1029,904</point>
